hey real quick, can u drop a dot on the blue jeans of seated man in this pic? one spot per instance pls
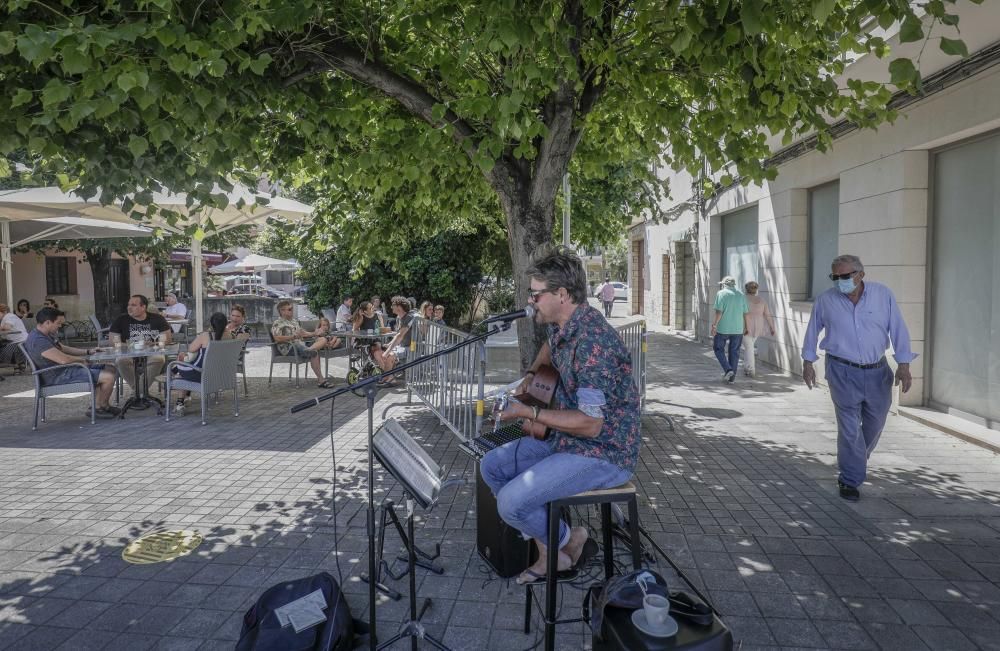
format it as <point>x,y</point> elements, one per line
<point>525,475</point>
<point>727,350</point>
<point>861,397</point>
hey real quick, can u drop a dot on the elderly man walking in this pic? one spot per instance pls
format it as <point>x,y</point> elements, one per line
<point>729,326</point>
<point>860,319</point>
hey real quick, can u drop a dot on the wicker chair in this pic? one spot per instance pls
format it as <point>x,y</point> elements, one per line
<point>42,391</point>
<point>218,373</point>
<point>291,360</point>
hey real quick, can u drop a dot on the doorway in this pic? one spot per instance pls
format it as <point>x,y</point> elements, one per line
<point>118,286</point>
<point>665,304</point>
<point>639,269</point>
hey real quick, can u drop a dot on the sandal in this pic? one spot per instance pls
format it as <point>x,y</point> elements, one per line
<point>529,576</point>
<point>325,384</point>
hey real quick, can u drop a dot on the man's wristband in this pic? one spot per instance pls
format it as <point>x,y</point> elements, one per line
<point>534,412</point>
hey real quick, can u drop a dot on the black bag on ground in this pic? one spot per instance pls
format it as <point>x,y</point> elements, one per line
<point>263,632</point>
<point>621,592</point>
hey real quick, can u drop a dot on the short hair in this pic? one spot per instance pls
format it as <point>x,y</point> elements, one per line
<point>239,308</point>
<point>439,307</point>
<point>748,283</point>
<point>559,266</point>
<point>401,301</point>
<point>348,297</point>
<point>142,299</point>
<point>853,260</point>
<point>174,294</point>
<point>282,304</point>
<point>47,314</point>
<point>4,308</point>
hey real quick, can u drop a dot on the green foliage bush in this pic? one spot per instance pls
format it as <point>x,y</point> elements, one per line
<point>445,269</point>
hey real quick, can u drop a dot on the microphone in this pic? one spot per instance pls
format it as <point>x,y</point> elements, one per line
<point>528,311</point>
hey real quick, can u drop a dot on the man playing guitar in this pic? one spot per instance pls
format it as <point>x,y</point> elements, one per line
<point>591,440</point>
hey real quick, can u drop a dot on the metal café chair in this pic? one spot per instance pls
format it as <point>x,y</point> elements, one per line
<point>218,373</point>
<point>100,332</point>
<point>278,358</point>
<point>42,391</point>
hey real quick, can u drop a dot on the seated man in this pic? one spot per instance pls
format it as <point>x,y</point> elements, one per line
<point>12,333</point>
<point>344,314</point>
<point>138,323</point>
<point>590,439</point>
<point>288,335</point>
<point>175,313</point>
<point>45,352</point>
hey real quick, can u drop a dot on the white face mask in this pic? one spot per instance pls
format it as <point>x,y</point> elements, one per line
<point>846,286</point>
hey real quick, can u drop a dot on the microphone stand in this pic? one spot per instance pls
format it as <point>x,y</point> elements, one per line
<point>370,387</point>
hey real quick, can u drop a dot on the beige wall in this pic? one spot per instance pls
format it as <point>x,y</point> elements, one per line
<point>29,283</point>
<point>884,178</point>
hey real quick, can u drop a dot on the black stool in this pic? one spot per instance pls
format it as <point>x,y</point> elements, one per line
<point>603,496</point>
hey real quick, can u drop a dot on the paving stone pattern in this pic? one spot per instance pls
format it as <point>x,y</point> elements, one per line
<point>737,485</point>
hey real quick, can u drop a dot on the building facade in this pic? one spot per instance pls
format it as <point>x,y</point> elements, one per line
<point>918,200</point>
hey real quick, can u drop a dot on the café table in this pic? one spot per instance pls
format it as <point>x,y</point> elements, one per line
<point>141,397</point>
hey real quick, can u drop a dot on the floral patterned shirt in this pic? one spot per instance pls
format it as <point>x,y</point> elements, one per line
<point>590,356</point>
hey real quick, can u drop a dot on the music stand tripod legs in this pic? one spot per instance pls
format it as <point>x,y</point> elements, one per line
<point>424,559</point>
<point>413,629</point>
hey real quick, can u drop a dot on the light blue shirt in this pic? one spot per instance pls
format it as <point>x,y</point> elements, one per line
<point>858,333</point>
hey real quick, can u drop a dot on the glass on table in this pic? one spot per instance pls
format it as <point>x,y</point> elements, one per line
<point>161,341</point>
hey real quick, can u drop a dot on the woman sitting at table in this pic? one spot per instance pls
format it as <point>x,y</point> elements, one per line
<point>365,319</point>
<point>23,310</point>
<point>191,371</point>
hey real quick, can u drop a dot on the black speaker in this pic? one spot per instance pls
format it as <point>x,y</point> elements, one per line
<point>498,543</point>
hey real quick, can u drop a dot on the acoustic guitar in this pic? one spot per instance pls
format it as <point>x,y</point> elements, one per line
<point>540,392</point>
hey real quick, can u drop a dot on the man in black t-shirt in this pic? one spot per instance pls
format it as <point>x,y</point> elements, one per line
<point>138,323</point>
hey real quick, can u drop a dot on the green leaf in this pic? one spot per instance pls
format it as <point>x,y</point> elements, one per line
<point>954,47</point>
<point>74,62</point>
<point>903,72</point>
<point>55,92</point>
<point>822,9</point>
<point>7,42</point>
<point>22,96</point>
<point>127,81</point>
<point>137,145</point>
<point>750,16</point>
<point>217,67</point>
<point>260,64</point>
<point>911,30</point>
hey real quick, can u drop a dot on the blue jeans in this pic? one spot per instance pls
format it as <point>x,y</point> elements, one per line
<point>719,343</point>
<point>525,475</point>
<point>861,397</point>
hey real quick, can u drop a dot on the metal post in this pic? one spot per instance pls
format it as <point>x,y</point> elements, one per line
<point>566,208</point>
<point>199,307</point>
<point>5,260</point>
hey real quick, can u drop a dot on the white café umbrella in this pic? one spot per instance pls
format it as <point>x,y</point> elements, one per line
<point>255,263</point>
<point>31,214</point>
<point>242,209</point>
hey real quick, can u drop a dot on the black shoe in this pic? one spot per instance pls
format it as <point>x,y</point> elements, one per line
<point>849,493</point>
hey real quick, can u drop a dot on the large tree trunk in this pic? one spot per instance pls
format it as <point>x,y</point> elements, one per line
<point>100,268</point>
<point>529,225</point>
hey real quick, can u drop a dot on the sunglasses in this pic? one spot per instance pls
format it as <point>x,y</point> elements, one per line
<point>533,294</point>
<point>842,276</point>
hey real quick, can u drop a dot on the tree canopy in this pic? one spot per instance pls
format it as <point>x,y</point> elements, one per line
<point>433,113</point>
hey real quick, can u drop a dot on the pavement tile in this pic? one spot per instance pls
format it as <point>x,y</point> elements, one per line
<point>937,637</point>
<point>895,637</point>
<point>844,635</point>
<point>88,640</point>
<point>44,638</point>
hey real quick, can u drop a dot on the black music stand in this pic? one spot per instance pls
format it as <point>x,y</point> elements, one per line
<point>370,387</point>
<point>424,560</point>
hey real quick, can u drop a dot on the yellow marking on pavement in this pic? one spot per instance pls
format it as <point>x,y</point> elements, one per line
<point>161,546</point>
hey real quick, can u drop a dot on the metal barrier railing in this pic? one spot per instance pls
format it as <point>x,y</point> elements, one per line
<point>454,386</point>
<point>634,335</point>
